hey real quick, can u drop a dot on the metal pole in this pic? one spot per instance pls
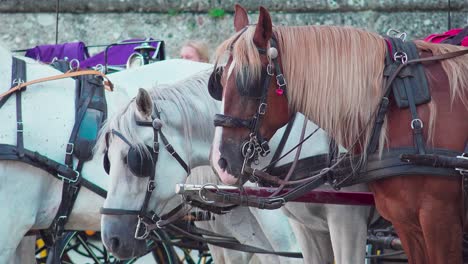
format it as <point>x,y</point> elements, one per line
<point>57,6</point>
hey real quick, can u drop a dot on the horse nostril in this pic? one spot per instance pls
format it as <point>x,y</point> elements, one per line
<point>114,243</point>
<point>222,162</point>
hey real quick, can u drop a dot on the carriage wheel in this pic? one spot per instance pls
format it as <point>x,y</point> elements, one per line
<point>80,245</point>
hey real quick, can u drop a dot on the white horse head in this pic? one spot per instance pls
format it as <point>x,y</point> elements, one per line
<point>182,112</point>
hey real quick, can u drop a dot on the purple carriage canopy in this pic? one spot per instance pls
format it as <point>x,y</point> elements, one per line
<point>116,54</point>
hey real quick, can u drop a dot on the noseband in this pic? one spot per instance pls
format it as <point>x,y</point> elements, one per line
<point>256,145</point>
<point>146,167</point>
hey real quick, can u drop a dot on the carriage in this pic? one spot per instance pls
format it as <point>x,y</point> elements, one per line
<point>207,194</point>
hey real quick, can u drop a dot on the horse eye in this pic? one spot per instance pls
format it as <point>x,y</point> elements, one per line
<point>125,160</point>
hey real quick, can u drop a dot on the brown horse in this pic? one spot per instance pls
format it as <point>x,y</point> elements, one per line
<point>335,77</point>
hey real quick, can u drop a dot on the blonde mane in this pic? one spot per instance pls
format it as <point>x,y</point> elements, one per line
<point>335,75</point>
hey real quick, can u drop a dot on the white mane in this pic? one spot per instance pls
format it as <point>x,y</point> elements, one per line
<point>185,95</point>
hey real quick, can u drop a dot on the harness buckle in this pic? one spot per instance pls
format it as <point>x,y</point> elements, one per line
<point>262,108</point>
<point>416,124</point>
<point>401,56</point>
<point>280,80</point>
<point>151,186</point>
<point>63,178</point>
<point>277,199</point>
<point>139,226</point>
<point>156,147</point>
<point>170,148</point>
<point>265,149</point>
<point>19,127</point>
<point>270,69</point>
<point>18,81</point>
<point>70,148</point>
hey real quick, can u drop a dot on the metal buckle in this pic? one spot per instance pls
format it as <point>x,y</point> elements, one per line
<point>156,147</point>
<point>270,69</point>
<point>280,80</point>
<point>138,227</point>
<point>170,149</point>
<point>68,179</point>
<point>69,152</point>
<point>18,81</point>
<point>262,108</point>
<point>401,56</point>
<point>413,122</point>
<point>151,186</point>
<point>265,149</point>
<point>19,127</point>
<point>203,189</point>
<point>280,199</point>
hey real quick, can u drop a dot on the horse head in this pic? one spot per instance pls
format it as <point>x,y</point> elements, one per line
<point>140,188</point>
<point>252,90</point>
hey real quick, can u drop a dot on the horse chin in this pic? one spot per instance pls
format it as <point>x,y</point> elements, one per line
<point>224,174</point>
<point>118,236</point>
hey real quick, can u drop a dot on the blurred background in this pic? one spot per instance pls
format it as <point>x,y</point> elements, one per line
<point>27,23</point>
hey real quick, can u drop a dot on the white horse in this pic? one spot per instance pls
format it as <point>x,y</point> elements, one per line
<point>48,115</point>
<point>29,196</point>
<point>186,114</point>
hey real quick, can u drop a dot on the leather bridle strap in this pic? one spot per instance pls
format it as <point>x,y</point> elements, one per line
<point>148,221</point>
<point>108,84</point>
<point>383,106</point>
<point>231,245</point>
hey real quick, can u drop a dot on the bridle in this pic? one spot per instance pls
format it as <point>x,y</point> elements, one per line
<point>148,220</point>
<point>256,145</point>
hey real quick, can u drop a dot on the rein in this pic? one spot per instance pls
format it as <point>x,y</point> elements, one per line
<point>20,85</point>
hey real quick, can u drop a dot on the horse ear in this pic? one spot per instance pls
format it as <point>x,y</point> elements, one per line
<point>241,20</point>
<point>144,103</point>
<point>264,29</point>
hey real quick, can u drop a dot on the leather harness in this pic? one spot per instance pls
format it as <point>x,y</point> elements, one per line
<point>69,175</point>
<point>335,174</point>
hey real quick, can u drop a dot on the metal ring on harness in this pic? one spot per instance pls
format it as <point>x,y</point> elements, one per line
<point>401,56</point>
<point>74,65</point>
<point>203,188</point>
<point>413,123</point>
<point>248,150</point>
<point>99,67</point>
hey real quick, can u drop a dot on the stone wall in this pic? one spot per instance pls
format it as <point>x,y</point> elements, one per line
<point>26,23</point>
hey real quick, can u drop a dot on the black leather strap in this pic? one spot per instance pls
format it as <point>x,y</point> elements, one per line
<point>229,244</point>
<point>281,144</point>
<point>18,75</point>
<point>229,121</point>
